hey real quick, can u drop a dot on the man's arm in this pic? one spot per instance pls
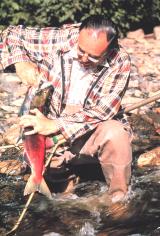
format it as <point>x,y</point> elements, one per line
<point>19,49</point>
<point>76,125</point>
<point>28,47</point>
<point>33,44</point>
<point>106,107</point>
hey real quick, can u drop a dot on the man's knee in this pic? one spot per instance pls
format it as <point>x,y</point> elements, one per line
<point>116,145</point>
<point>107,132</point>
<point>112,129</point>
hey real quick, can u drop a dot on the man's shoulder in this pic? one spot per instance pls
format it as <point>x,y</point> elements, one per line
<point>123,51</point>
<point>65,28</point>
<point>118,55</point>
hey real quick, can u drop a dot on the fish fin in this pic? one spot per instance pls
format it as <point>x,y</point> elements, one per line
<point>32,187</point>
<point>43,188</point>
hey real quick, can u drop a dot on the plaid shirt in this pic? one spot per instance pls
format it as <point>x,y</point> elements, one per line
<point>47,47</point>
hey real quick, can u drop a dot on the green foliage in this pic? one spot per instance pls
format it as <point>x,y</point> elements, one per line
<point>126,14</point>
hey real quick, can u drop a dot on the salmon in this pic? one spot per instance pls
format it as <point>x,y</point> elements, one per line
<point>34,145</point>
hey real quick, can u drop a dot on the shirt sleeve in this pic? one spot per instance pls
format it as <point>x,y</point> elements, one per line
<point>106,107</point>
<point>34,44</point>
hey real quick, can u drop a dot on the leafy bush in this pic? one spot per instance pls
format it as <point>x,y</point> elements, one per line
<point>126,14</point>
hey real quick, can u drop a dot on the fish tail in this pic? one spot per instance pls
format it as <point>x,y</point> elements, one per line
<point>32,187</point>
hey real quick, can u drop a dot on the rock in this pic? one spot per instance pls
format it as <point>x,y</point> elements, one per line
<point>1,139</point>
<point>7,108</point>
<point>149,36</point>
<point>137,34</point>
<point>157,110</point>
<point>10,167</point>
<point>17,102</point>
<point>9,82</point>
<point>156,32</point>
<point>149,86</point>
<point>12,120</point>
<point>12,134</point>
<point>149,159</point>
<point>150,94</point>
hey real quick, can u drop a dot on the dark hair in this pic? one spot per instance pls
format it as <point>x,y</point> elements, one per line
<point>101,23</point>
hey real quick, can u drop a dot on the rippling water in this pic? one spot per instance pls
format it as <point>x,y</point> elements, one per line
<point>87,212</point>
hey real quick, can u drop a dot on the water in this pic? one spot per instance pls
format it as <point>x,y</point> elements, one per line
<point>87,212</point>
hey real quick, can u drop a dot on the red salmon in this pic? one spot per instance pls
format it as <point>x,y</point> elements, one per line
<point>34,145</point>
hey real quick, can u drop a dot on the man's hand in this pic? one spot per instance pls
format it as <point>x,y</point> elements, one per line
<point>39,122</point>
<point>28,73</point>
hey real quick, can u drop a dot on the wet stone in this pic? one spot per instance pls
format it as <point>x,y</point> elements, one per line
<point>7,194</point>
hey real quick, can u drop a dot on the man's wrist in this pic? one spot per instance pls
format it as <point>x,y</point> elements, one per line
<point>54,127</point>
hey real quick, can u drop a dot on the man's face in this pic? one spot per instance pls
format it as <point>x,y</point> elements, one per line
<point>92,46</point>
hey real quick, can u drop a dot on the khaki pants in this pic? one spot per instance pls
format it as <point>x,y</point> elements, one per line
<point>112,143</point>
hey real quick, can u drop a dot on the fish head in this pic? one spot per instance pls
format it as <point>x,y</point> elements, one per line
<point>41,97</point>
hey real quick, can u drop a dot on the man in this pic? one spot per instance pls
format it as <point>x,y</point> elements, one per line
<point>90,73</point>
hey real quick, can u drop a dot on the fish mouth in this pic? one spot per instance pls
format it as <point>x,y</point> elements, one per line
<point>45,85</point>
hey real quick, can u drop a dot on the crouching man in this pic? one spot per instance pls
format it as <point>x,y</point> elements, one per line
<point>90,73</point>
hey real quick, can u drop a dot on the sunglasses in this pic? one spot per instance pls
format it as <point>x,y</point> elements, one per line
<point>90,57</point>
